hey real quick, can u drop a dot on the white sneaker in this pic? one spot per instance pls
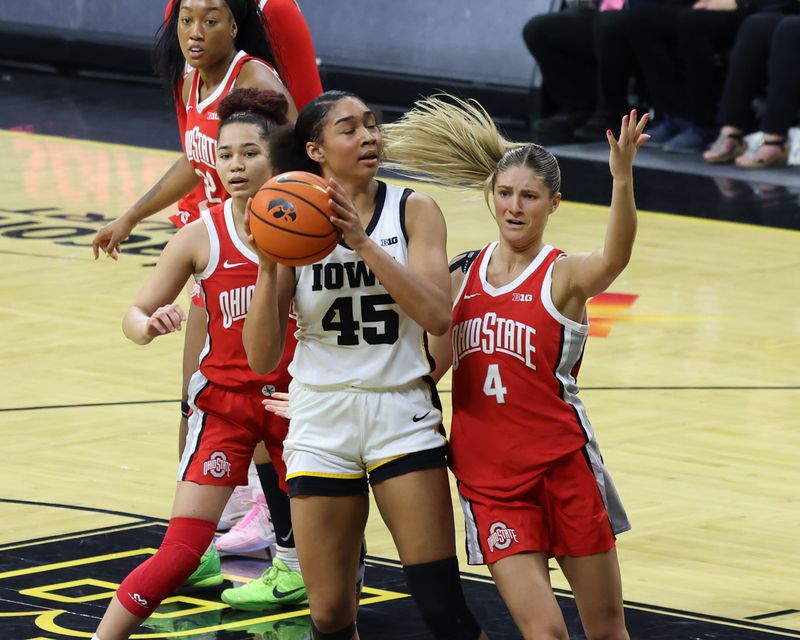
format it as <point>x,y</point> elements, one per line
<point>253,533</point>
<point>239,505</point>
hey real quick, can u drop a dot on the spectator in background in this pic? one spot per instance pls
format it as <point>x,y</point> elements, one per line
<point>561,43</point>
<point>587,62</point>
<point>767,52</point>
<point>682,55</point>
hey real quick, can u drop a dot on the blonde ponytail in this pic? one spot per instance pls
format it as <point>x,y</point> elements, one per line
<point>447,140</point>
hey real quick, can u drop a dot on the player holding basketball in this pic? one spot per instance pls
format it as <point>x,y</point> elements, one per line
<point>530,476</point>
<point>362,411</point>
<point>227,419</point>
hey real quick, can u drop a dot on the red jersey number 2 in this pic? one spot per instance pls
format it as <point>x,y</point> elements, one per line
<point>493,384</point>
<point>210,186</point>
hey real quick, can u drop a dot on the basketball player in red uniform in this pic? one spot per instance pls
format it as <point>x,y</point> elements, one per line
<point>227,419</point>
<point>530,476</point>
<point>212,38</point>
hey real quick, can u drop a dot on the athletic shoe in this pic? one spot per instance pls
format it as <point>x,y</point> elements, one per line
<point>238,506</point>
<point>208,573</point>
<point>691,140</point>
<point>278,586</point>
<point>253,533</point>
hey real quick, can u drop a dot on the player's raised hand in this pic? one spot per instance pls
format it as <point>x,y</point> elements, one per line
<point>110,236</point>
<point>166,319</point>
<point>624,149</point>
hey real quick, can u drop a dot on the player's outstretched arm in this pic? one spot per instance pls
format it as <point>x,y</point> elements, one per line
<point>153,312</point>
<point>179,180</point>
<point>578,277</point>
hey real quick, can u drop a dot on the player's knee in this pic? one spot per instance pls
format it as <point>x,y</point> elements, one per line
<point>157,578</point>
<point>436,588</point>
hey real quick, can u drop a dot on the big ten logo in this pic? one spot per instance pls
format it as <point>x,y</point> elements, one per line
<point>77,230</point>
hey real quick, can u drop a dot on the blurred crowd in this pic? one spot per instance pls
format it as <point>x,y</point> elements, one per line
<point>711,72</point>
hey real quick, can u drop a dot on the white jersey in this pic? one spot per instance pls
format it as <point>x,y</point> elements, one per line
<point>350,332</point>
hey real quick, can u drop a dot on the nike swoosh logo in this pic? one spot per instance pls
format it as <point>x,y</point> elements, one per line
<point>467,296</point>
<point>288,535</point>
<point>231,265</point>
<point>422,417</point>
<point>285,594</point>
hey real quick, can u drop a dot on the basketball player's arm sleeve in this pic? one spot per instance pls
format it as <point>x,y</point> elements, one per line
<point>264,333</point>
<point>294,50</point>
<point>153,311</point>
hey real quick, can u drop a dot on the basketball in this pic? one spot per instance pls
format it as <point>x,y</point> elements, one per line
<point>290,219</point>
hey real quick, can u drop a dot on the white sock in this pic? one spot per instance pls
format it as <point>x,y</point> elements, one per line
<point>289,557</point>
<point>95,637</point>
<point>252,477</point>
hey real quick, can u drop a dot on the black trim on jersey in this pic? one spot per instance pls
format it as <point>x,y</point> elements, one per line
<point>200,434</point>
<point>380,200</point>
<point>558,361</point>
<point>464,261</point>
<point>406,193</point>
<point>417,461</point>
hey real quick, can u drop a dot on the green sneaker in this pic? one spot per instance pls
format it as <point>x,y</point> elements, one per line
<point>278,586</point>
<point>208,574</point>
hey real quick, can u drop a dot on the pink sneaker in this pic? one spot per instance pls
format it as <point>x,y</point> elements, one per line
<point>253,533</point>
<point>238,506</point>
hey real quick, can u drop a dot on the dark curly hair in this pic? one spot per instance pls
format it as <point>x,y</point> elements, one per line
<point>265,109</point>
<point>251,37</point>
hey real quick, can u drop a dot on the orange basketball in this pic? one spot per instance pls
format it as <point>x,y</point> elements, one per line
<point>290,219</point>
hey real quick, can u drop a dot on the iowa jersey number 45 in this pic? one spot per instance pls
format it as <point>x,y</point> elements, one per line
<point>340,318</point>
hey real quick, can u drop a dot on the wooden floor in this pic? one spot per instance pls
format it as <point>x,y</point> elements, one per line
<point>693,390</point>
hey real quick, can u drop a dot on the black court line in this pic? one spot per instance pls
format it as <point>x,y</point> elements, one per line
<point>88,404</point>
<point>109,512</point>
<point>134,402</point>
<point>774,614</point>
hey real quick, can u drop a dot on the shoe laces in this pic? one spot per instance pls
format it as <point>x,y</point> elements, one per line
<point>258,507</point>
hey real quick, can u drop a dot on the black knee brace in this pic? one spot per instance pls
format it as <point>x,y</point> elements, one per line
<point>342,634</point>
<point>436,588</point>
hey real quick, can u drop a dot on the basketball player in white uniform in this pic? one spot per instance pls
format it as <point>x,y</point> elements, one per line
<point>362,412</point>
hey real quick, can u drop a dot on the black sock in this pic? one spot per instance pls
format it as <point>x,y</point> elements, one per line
<point>278,503</point>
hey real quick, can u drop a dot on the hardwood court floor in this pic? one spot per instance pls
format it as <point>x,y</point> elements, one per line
<point>691,382</point>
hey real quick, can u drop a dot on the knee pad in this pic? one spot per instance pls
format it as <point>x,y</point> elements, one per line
<point>436,588</point>
<point>157,578</point>
<point>342,634</point>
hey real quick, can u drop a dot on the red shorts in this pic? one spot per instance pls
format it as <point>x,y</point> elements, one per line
<point>224,428</point>
<point>563,514</point>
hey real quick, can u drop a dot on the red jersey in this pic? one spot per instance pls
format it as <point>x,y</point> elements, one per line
<point>227,285</point>
<point>297,67</point>
<point>515,364</point>
<point>200,129</point>
<point>292,45</point>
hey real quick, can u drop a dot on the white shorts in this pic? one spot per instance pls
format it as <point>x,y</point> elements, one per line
<point>346,434</point>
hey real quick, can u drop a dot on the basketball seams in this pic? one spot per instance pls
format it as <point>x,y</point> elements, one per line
<point>299,197</point>
<point>291,231</point>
